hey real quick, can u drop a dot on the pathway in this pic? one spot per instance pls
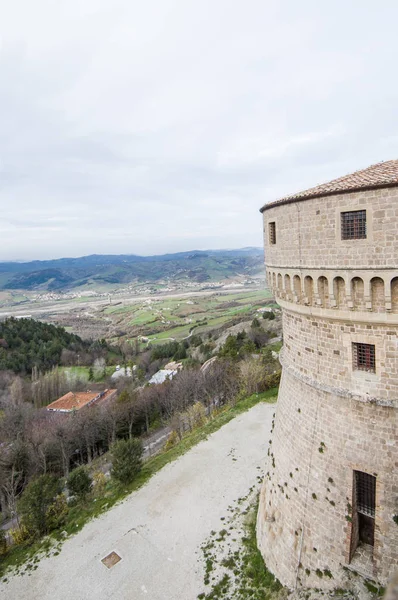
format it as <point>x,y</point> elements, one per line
<point>157,531</point>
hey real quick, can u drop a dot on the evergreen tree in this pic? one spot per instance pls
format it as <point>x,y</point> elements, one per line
<point>126,459</point>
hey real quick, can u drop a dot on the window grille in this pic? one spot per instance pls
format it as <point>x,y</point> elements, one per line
<point>364,358</point>
<point>272,232</point>
<point>353,225</point>
<point>365,487</point>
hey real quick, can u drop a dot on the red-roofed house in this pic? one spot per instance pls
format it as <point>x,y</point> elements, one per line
<point>73,401</point>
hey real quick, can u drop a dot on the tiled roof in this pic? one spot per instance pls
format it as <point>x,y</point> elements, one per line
<point>76,400</point>
<point>384,174</point>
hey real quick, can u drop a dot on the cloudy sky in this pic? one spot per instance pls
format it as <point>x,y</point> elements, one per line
<point>132,126</point>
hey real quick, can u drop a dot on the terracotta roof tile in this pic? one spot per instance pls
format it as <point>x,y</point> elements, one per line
<point>384,174</point>
<point>76,400</point>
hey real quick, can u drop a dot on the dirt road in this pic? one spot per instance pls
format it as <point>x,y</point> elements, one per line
<point>157,531</point>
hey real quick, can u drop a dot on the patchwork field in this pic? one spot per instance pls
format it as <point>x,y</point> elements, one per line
<point>157,318</point>
<point>177,318</point>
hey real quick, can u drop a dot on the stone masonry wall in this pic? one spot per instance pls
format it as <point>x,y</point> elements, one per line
<point>332,419</point>
<point>320,438</point>
<point>308,232</point>
<point>321,349</point>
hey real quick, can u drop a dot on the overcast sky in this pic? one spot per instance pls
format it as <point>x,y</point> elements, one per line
<point>151,126</point>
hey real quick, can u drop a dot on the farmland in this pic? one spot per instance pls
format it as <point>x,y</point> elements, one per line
<point>163,319</point>
<point>156,318</point>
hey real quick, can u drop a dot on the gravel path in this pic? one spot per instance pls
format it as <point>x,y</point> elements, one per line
<point>158,530</point>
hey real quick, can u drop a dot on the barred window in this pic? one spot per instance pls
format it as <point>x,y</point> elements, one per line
<point>353,225</point>
<point>364,357</point>
<point>365,489</point>
<point>272,232</point>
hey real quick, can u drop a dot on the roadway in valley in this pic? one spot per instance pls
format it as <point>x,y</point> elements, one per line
<point>158,530</point>
<point>55,307</point>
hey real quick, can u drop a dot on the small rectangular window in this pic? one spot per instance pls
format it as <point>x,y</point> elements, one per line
<point>364,358</point>
<point>353,225</point>
<point>272,232</point>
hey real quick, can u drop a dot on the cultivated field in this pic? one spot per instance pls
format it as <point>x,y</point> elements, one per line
<point>158,317</point>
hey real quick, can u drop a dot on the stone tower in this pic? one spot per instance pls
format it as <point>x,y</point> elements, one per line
<point>329,500</point>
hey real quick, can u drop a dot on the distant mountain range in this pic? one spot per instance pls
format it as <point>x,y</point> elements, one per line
<point>69,273</point>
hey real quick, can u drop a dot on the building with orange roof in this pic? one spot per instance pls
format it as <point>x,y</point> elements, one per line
<point>74,401</point>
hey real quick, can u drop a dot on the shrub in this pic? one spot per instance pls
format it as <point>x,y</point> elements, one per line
<point>79,482</point>
<point>38,496</point>
<point>172,440</point>
<point>195,341</point>
<point>269,315</point>
<point>181,353</point>
<point>126,459</point>
<point>3,542</point>
<point>99,481</point>
<point>198,414</point>
<point>57,512</point>
<point>230,348</point>
<point>21,534</point>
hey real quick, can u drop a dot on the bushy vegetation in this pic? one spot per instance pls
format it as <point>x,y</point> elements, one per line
<point>79,482</point>
<point>270,316</point>
<point>35,504</point>
<point>126,459</point>
<point>174,350</point>
<point>243,344</point>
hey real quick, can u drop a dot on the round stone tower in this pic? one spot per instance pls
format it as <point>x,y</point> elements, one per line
<point>329,500</point>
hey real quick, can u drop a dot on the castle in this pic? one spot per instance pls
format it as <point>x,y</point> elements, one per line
<point>329,500</point>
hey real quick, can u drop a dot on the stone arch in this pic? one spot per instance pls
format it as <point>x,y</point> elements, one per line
<point>323,290</point>
<point>309,289</point>
<point>280,286</point>
<point>297,287</point>
<point>377,294</point>
<point>358,293</point>
<point>394,294</point>
<point>339,292</point>
<point>288,286</point>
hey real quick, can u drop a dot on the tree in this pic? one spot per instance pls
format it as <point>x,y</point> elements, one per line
<point>17,391</point>
<point>91,374</point>
<point>37,498</point>
<point>230,348</point>
<point>126,459</point>
<point>99,367</point>
<point>269,315</point>
<point>79,482</point>
<point>14,473</point>
<point>3,542</point>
